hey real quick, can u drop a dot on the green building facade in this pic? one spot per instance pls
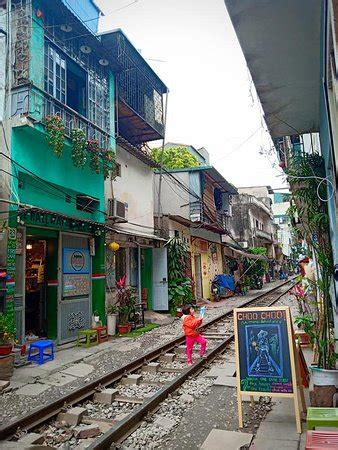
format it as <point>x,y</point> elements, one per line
<point>61,145</point>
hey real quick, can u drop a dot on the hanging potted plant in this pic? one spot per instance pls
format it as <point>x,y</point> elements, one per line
<point>108,162</point>
<point>55,133</point>
<point>306,174</point>
<point>94,155</point>
<point>79,154</point>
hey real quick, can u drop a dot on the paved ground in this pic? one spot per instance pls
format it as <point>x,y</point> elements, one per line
<point>207,423</point>
<point>34,385</point>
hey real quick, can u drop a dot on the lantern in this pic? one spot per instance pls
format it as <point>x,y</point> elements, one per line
<point>114,246</point>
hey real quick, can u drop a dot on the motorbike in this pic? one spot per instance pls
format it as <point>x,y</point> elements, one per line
<point>257,282</point>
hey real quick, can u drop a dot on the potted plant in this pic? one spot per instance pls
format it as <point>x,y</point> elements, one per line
<point>125,305</point>
<point>180,286</point>
<point>112,315</point>
<point>309,186</point>
<point>7,333</point>
<point>55,133</point>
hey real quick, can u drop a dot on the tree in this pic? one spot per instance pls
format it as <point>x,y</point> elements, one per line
<point>175,157</point>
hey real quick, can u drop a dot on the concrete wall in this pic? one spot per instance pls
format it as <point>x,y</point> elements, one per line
<point>174,200</point>
<point>134,187</point>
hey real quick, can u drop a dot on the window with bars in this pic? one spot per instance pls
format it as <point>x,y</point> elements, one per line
<point>55,73</point>
<point>83,91</point>
<point>98,101</point>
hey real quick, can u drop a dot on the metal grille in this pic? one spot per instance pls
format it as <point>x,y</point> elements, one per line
<point>21,23</point>
<point>75,315</point>
<point>138,87</point>
<point>37,105</point>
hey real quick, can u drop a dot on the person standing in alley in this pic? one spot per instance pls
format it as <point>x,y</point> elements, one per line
<point>192,336</point>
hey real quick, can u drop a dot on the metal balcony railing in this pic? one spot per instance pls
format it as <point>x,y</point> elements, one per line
<point>263,234</point>
<point>37,104</point>
<point>198,213</point>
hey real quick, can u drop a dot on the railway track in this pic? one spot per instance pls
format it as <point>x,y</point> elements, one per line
<point>156,374</point>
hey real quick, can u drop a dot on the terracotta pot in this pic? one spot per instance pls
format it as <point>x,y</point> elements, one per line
<point>5,349</point>
<point>322,396</point>
<point>123,329</point>
<point>6,367</point>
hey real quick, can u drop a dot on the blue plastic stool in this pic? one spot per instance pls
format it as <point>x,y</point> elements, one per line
<point>41,357</point>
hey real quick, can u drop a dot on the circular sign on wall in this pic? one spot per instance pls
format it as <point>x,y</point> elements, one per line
<point>77,261</point>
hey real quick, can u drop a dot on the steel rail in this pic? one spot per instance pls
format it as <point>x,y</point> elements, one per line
<point>43,413</point>
<point>125,427</point>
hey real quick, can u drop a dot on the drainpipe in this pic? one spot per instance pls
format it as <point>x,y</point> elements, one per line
<point>159,208</point>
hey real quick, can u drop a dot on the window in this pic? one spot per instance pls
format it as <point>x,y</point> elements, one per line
<point>76,88</point>
<point>98,100</point>
<point>55,73</point>
<point>86,203</point>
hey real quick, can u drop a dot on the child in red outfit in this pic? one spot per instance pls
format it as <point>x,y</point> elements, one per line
<point>190,324</point>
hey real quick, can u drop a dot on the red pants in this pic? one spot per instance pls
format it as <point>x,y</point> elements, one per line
<point>191,341</point>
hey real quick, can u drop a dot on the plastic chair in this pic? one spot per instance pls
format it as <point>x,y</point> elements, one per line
<point>102,334</point>
<point>41,356</point>
<point>90,338</point>
<point>320,440</point>
<point>321,417</point>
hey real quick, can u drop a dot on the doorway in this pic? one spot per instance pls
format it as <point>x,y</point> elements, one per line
<point>35,288</point>
<point>198,276</point>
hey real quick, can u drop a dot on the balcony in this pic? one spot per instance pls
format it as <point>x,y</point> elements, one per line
<point>261,234</point>
<point>199,214</point>
<point>36,105</point>
<point>139,91</point>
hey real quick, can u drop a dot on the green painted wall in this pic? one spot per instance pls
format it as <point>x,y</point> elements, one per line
<point>99,285</point>
<point>147,274</point>
<point>31,151</point>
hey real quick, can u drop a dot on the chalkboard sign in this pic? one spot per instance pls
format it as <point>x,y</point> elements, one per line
<point>265,355</point>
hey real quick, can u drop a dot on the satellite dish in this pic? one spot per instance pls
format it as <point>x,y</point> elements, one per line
<point>104,62</point>
<point>66,28</point>
<point>85,49</point>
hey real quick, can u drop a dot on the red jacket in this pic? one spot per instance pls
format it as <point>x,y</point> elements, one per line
<point>190,323</point>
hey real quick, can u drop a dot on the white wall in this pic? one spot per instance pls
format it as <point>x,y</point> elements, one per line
<point>174,200</point>
<point>134,187</point>
<point>284,233</point>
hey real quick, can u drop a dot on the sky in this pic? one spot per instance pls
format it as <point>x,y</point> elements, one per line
<point>212,102</point>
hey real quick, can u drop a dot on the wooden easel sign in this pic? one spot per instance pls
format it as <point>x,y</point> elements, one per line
<point>265,356</point>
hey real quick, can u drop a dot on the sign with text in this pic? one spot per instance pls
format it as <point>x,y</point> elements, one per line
<point>76,260</point>
<point>266,357</point>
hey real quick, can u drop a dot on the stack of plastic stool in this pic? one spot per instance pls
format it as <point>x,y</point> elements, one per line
<point>321,440</point>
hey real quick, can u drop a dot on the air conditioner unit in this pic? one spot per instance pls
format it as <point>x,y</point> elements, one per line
<point>243,244</point>
<point>118,211</point>
<point>195,217</point>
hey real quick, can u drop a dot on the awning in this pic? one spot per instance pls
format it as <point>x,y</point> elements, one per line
<point>140,234</point>
<point>280,40</point>
<point>245,254</point>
